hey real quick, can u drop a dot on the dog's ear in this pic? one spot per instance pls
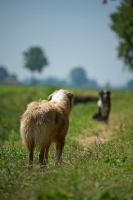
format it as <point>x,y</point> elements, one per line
<point>108,93</point>
<point>70,96</point>
<point>50,97</point>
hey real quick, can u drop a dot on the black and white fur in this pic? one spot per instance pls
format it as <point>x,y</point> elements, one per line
<point>104,106</point>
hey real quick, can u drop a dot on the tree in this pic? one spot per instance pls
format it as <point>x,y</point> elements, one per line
<point>35,60</point>
<point>3,73</point>
<point>78,76</point>
<point>122,25</point>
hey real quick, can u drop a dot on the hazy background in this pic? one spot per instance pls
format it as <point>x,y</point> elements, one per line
<point>71,32</point>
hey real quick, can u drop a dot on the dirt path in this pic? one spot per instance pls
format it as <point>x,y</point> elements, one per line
<point>102,133</point>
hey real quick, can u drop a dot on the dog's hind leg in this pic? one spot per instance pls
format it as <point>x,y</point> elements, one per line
<point>43,155</point>
<point>30,153</point>
<point>59,149</point>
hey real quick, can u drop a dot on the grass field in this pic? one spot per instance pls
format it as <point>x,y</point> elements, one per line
<point>97,158</point>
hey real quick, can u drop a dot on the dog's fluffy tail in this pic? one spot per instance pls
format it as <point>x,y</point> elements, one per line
<point>35,134</point>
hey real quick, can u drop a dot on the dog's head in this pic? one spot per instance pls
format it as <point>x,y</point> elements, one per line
<point>62,97</point>
<point>105,96</point>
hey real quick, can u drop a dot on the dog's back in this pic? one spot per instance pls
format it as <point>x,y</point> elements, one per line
<point>42,122</point>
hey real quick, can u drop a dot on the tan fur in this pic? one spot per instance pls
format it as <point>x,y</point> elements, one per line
<point>45,122</point>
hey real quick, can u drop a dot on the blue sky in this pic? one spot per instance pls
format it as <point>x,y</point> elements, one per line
<point>72,33</point>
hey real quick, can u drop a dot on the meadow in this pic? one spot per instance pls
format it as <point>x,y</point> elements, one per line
<point>97,161</point>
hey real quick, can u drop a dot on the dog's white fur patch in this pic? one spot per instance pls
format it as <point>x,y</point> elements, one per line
<point>58,97</point>
<point>99,103</point>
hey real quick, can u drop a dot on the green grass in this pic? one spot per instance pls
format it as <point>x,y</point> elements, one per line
<point>99,171</point>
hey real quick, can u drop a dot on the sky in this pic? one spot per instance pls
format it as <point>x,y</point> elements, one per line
<point>72,33</point>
